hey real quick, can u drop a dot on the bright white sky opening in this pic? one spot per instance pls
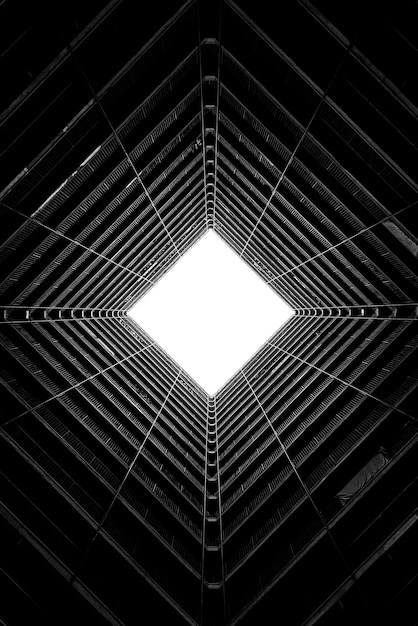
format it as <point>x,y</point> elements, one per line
<point>211,312</point>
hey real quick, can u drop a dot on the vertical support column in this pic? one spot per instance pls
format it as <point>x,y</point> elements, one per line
<point>203,592</point>
<point>209,49</point>
<point>213,591</point>
<point>19,314</point>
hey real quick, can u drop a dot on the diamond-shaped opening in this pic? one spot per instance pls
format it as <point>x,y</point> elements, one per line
<point>211,312</point>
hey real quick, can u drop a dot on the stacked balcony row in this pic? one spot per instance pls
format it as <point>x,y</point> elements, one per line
<point>107,430</point>
<point>302,419</point>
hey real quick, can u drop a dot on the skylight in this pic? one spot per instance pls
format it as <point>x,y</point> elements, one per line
<point>211,312</point>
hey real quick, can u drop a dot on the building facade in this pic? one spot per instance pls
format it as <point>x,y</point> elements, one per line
<point>129,496</point>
